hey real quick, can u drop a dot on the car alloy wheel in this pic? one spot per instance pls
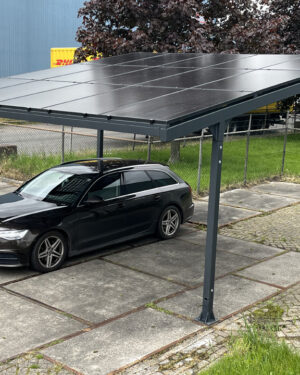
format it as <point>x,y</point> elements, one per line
<point>49,253</point>
<point>169,222</point>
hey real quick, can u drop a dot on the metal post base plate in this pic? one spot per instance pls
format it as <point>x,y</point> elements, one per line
<point>208,319</point>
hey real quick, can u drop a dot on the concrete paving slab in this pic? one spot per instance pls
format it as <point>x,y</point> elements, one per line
<point>231,294</point>
<point>282,270</point>
<point>255,201</point>
<point>185,228</point>
<point>25,325</point>
<point>235,246</point>
<point>177,260</point>
<point>227,215</point>
<point>14,274</point>
<point>98,253</point>
<point>281,188</point>
<point>96,290</point>
<point>121,342</point>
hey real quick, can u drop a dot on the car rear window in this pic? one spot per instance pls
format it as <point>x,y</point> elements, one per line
<point>161,178</point>
<point>135,181</point>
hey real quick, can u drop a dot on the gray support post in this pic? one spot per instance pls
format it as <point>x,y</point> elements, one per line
<point>247,149</point>
<point>207,315</point>
<point>63,144</point>
<point>149,148</point>
<point>100,143</point>
<point>284,142</point>
<point>200,161</point>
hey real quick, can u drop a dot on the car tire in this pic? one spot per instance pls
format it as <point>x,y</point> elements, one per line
<point>49,252</point>
<point>169,222</point>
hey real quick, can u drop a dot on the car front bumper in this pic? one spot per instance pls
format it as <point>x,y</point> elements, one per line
<point>16,253</point>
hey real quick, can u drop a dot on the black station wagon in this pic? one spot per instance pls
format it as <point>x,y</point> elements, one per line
<point>85,205</point>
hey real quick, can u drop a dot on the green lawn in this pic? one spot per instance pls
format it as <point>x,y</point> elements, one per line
<point>265,158</point>
<point>254,353</point>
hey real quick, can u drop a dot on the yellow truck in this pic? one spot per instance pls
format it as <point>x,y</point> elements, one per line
<point>262,118</point>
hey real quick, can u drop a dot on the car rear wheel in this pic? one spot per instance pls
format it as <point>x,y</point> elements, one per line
<point>49,252</point>
<point>169,222</point>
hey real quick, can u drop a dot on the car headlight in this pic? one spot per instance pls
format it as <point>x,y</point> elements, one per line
<point>12,234</point>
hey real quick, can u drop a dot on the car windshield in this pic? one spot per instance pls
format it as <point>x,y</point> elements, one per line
<point>56,186</point>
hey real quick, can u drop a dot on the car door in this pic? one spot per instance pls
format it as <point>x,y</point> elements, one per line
<point>102,221</point>
<point>142,203</point>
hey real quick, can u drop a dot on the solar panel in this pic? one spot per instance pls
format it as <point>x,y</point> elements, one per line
<point>162,89</point>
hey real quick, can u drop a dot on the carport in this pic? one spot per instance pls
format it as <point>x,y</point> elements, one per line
<point>161,95</point>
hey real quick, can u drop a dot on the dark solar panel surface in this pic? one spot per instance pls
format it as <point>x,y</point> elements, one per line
<point>166,88</point>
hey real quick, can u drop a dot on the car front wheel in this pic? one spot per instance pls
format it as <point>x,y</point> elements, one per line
<point>169,222</point>
<point>49,253</point>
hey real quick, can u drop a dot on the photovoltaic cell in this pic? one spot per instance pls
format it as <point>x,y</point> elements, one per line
<point>61,95</point>
<point>254,81</point>
<point>96,74</point>
<point>178,105</point>
<point>289,65</point>
<point>29,88</point>
<point>108,101</point>
<point>7,82</point>
<point>193,78</point>
<point>166,88</point>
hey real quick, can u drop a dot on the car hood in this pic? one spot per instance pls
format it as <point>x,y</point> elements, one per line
<point>13,205</point>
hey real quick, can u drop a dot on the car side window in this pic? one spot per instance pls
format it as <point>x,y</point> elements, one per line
<point>135,181</point>
<point>161,178</point>
<point>106,188</point>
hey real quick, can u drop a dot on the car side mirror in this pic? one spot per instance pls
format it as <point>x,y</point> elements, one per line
<point>93,201</point>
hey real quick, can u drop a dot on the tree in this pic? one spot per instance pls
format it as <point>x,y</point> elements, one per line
<point>261,26</point>
<point>116,27</point>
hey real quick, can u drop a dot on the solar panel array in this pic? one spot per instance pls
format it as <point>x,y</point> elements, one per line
<point>166,88</point>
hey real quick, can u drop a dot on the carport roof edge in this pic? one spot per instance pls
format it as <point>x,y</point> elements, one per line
<point>162,95</point>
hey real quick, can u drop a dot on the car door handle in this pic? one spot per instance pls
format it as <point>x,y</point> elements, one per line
<point>121,205</point>
<point>156,197</point>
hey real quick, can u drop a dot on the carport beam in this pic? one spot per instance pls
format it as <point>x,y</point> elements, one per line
<point>100,136</point>
<point>207,315</point>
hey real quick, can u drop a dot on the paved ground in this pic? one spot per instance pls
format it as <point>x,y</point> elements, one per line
<point>119,308</point>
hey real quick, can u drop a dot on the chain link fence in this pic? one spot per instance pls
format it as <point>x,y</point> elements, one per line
<point>252,150</point>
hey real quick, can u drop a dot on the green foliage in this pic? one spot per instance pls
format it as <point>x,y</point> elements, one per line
<point>256,352</point>
<point>267,317</point>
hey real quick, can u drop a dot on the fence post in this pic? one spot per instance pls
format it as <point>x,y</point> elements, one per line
<point>133,143</point>
<point>247,149</point>
<point>200,161</point>
<point>149,149</point>
<point>63,145</point>
<point>284,142</point>
<point>71,140</point>
<point>227,131</point>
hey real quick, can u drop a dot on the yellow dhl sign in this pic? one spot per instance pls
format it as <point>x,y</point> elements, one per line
<point>64,56</point>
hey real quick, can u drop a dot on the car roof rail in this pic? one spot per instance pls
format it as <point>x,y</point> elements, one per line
<point>81,160</point>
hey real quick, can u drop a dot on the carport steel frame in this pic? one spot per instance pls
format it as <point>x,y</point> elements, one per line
<point>215,120</point>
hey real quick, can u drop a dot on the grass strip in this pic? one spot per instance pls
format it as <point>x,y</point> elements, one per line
<point>265,158</point>
<point>256,352</point>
